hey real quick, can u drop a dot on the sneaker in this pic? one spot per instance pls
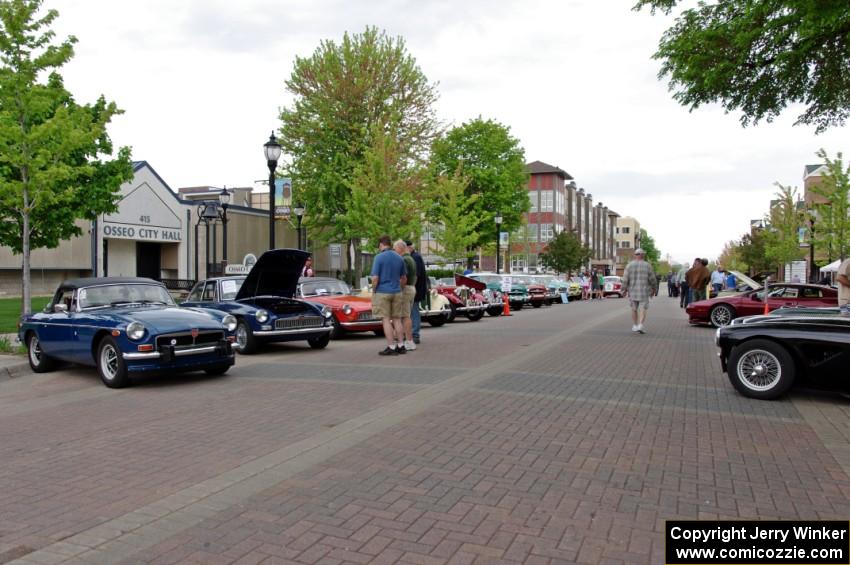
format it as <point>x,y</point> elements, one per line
<point>388,351</point>
<point>640,329</point>
<point>401,350</point>
<point>634,328</point>
<point>416,339</point>
<point>409,345</point>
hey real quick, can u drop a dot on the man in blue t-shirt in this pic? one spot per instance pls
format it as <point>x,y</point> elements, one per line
<point>389,275</point>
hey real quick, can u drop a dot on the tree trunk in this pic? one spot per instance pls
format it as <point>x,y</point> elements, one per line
<point>26,302</point>
<point>358,260</point>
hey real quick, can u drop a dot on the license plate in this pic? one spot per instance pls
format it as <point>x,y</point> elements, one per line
<point>609,286</point>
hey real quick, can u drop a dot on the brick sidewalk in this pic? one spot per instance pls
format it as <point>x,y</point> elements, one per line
<point>555,436</point>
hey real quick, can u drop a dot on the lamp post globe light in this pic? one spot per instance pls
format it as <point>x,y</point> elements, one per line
<point>224,199</point>
<point>498,219</point>
<point>299,213</point>
<point>271,148</point>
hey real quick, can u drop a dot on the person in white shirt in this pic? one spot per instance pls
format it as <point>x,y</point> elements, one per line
<point>717,280</point>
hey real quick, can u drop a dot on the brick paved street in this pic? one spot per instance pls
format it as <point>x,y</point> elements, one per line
<point>553,436</point>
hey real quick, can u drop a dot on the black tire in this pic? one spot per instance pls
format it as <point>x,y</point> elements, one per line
<point>495,311</point>
<point>475,316</point>
<point>110,364</point>
<point>761,369</point>
<point>217,370</point>
<point>453,313</point>
<point>437,321</point>
<point>245,338</point>
<point>721,315</point>
<point>39,362</point>
<point>320,342</point>
<point>537,304</point>
<point>338,330</point>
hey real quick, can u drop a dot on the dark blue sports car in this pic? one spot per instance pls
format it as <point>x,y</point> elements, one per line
<point>264,305</point>
<point>124,326</point>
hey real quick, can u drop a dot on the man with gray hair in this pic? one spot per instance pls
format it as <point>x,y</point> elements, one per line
<point>640,283</point>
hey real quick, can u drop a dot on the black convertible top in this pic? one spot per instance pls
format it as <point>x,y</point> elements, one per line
<point>93,281</point>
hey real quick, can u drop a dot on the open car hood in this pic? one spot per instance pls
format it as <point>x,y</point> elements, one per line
<point>275,273</point>
<point>471,283</point>
<point>750,282</point>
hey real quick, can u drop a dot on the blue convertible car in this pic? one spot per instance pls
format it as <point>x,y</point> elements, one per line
<point>125,326</point>
<point>264,305</point>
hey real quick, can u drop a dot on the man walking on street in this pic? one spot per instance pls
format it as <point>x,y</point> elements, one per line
<point>640,283</point>
<point>842,277</point>
<point>408,294</point>
<point>388,276</point>
<point>717,280</point>
<point>421,291</point>
<point>683,286</point>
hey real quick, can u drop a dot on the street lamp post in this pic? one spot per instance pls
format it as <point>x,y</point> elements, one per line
<point>207,212</point>
<point>224,200</point>
<point>271,149</point>
<point>299,213</point>
<point>498,219</point>
<point>813,275</point>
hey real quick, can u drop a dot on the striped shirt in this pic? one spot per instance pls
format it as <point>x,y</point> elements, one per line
<point>639,279</point>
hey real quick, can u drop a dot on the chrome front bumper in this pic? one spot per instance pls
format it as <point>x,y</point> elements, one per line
<point>372,322</point>
<point>177,353</point>
<point>273,333</point>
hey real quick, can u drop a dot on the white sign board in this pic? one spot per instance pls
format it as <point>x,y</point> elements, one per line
<point>143,215</point>
<point>236,270</point>
<point>503,238</point>
<point>506,284</point>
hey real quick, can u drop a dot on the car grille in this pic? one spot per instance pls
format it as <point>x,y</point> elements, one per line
<point>186,341</point>
<point>301,322</point>
<point>365,316</point>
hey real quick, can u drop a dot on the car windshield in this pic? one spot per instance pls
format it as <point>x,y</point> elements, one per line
<point>324,288</point>
<point>123,294</point>
<point>230,288</point>
<point>487,278</point>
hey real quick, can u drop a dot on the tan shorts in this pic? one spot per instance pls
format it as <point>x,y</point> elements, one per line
<point>387,305</point>
<point>408,293</point>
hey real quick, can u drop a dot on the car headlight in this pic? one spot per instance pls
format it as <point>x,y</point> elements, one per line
<point>135,331</point>
<point>262,316</point>
<point>326,312</point>
<point>347,309</point>
<point>229,322</point>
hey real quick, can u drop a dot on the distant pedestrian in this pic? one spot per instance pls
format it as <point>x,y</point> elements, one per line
<point>671,284</point>
<point>640,283</point>
<point>408,293</point>
<point>421,291</point>
<point>717,280</point>
<point>682,281</point>
<point>585,286</point>
<point>308,271</point>
<point>731,281</point>
<point>697,277</point>
<point>388,274</point>
<point>595,288</point>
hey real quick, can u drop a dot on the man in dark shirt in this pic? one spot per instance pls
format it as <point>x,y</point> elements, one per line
<point>421,290</point>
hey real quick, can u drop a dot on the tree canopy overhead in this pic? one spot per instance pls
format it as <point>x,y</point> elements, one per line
<point>759,56</point>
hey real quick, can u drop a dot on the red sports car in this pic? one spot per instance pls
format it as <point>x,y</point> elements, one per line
<point>350,313</point>
<point>722,310</point>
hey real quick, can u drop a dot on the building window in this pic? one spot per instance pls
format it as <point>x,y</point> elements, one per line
<point>532,196</point>
<point>625,244</point>
<point>518,263</point>
<point>546,233</point>
<point>560,207</point>
<point>546,200</point>
<point>625,230</point>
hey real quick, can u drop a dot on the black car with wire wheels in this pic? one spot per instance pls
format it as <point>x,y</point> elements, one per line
<point>764,356</point>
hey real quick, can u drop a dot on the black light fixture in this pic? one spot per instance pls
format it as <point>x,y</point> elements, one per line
<point>299,213</point>
<point>498,219</point>
<point>207,213</point>
<point>271,149</point>
<point>224,199</point>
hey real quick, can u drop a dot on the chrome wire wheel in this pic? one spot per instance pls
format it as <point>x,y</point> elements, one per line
<point>721,316</point>
<point>242,336</point>
<point>759,370</point>
<point>35,351</point>
<point>109,361</point>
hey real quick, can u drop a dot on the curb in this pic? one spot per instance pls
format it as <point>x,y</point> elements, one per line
<point>14,370</point>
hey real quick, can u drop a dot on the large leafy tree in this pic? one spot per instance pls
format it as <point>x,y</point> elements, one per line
<point>565,253</point>
<point>782,234</point>
<point>752,251</point>
<point>455,226</point>
<point>759,56</point>
<point>647,243</point>
<point>832,227</point>
<point>343,93</point>
<point>54,153</point>
<point>486,153</point>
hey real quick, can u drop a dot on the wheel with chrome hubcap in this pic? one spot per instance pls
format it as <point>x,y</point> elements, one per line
<point>245,338</point>
<point>721,315</point>
<point>39,362</point>
<point>761,369</point>
<point>110,364</point>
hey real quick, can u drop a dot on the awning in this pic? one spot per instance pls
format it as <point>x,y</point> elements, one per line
<point>832,267</point>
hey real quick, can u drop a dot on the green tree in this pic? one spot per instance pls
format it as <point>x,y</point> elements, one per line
<point>759,56</point>
<point>832,227</point>
<point>386,194</point>
<point>54,166</point>
<point>647,243</point>
<point>485,152</point>
<point>343,93</point>
<point>782,235</point>
<point>752,252</point>
<point>730,257</point>
<point>456,227</point>
<point>565,253</point>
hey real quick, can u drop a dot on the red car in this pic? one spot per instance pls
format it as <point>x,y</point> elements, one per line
<point>722,310</point>
<point>350,313</point>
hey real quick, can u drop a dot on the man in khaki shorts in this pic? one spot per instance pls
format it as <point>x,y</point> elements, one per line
<point>388,277</point>
<point>408,292</point>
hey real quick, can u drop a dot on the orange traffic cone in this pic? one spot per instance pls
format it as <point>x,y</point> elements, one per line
<point>506,311</point>
<point>766,309</point>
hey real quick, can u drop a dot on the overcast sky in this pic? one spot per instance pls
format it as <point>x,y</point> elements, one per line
<point>202,81</point>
